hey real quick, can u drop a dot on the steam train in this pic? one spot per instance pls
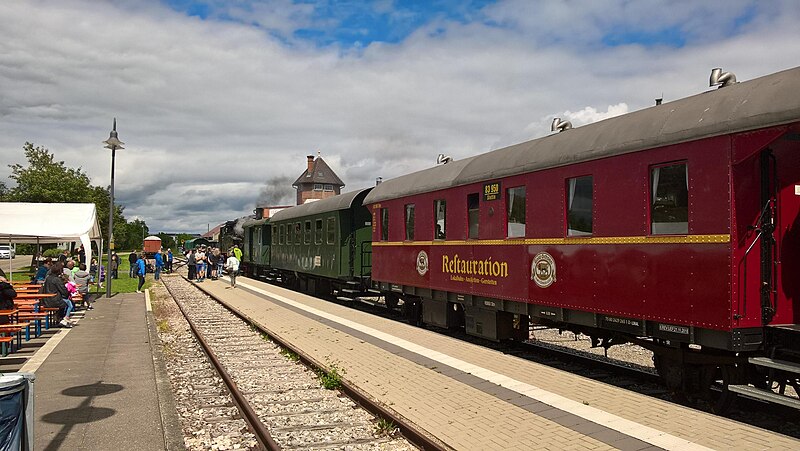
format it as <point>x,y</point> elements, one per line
<point>675,227</point>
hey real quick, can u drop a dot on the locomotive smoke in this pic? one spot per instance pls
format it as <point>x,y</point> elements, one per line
<point>238,228</point>
<point>276,191</point>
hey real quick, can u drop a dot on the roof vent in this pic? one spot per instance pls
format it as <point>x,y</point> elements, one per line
<point>721,78</point>
<point>378,181</point>
<point>559,126</point>
<point>443,159</point>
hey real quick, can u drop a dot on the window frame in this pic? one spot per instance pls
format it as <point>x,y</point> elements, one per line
<point>318,231</point>
<point>307,232</point>
<point>327,187</point>
<point>318,187</point>
<point>652,195</point>
<point>331,229</point>
<point>409,214</point>
<point>510,205</point>
<point>568,208</point>
<point>436,204</point>
<point>298,233</point>
<point>477,211</point>
<point>282,234</point>
<point>384,224</point>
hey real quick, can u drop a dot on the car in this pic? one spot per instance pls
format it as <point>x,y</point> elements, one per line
<point>7,251</point>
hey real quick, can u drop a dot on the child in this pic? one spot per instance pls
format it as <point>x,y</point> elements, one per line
<point>71,288</point>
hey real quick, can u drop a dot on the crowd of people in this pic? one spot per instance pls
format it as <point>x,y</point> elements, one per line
<point>209,262</point>
<point>68,281</point>
<point>68,278</point>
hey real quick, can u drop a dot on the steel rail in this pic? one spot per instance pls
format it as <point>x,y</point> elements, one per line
<point>407,428</point>
<point>249,415</point>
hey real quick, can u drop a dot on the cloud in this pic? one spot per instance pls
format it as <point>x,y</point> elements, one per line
<point>210,108</point>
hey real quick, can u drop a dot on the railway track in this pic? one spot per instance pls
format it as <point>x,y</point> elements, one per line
<point>261,385</point>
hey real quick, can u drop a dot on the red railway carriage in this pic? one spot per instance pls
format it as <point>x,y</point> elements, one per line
<point>678,223</point>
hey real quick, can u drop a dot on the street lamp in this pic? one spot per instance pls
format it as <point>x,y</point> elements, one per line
<point>112,143</point>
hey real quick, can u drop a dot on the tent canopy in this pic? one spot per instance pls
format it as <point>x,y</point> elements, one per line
<point>22,222</point>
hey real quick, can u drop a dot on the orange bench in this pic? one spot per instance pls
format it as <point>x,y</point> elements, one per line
<point>6,345</point>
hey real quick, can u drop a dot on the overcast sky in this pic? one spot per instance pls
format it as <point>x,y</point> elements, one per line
<point>219,101</point>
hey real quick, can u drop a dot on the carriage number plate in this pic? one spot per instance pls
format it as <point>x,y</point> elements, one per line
<point>797,190</point>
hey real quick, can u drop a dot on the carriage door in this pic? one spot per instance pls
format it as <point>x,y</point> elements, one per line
<point>785,170</point>
<point>766,227</point>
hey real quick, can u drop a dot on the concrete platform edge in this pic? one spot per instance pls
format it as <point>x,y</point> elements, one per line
<point>170,421</point>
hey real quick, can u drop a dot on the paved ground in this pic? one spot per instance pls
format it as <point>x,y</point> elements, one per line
<point>476,398</point>
<point>99,387</point>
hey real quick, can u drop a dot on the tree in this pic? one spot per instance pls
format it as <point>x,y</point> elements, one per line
<point>167,242</point>
<point>182,237</point>
<point>47,180</point>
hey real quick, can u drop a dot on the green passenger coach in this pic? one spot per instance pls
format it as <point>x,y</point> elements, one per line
<point>256,249</point>
<point>324,245</point>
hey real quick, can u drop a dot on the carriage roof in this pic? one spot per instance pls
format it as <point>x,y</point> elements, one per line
<point>762,102</point>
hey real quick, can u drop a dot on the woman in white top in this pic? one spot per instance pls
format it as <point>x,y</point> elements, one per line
<point>232,265</point>
<point>200,258</point>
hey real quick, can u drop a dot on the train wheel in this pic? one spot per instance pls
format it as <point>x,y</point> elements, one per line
<point>391,300</point>
<point>718,378</point>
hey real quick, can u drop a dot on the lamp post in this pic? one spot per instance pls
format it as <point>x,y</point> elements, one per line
<point>112,143</point>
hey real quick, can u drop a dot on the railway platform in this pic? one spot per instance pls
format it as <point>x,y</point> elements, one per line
<point>469,397</point>
<point>100,386</point>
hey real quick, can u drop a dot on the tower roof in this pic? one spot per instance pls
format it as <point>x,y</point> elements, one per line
<point>318,172</point>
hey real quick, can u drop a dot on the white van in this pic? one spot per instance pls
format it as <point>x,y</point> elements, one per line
<point>7,251</point>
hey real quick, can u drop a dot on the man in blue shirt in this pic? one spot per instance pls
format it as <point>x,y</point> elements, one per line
<point>140,272</point>
<point>159,264</point>
<point>169,260</point>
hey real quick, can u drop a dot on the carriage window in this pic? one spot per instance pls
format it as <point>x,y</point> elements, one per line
<point>298,233</point>
<point>307,235</point>
<point>515,199</point>
<point>282,234</point>
<point>440,212</point>
<point>473,214</point>
<point>579,206</point>
<point>669,200</point>
<point>318,231</point>
<point>384,224</point>
<point>274,235</point>
<point>410,222</point>
<point>331,230</point>
<point>265,235</point>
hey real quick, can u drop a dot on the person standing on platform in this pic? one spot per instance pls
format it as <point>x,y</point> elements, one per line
<point>169,260</point>
<point>114,265</point>
<point>191,263</point>
<point>201,259</point>
<point>132,261</point>
<point>213,261</point>
<point>159,265</point>
<point>140,271</point>
<point>232,265</point>
<point>237,252</point>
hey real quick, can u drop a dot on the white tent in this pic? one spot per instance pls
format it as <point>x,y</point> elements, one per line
<point>22,222</point>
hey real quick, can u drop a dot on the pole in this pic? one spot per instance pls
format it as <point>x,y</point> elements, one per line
<point>110,225</point>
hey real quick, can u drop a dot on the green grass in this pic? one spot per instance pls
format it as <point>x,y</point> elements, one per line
<point>332,379</point>
<point>123,284</point>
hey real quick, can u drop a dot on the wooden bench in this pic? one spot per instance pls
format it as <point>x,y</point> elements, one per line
<point>6,345</point>
<point>34,313</point>
<point>16,329</point>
